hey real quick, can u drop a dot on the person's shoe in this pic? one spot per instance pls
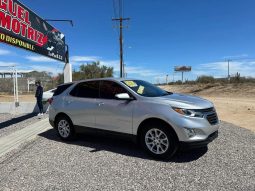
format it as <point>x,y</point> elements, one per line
<point>39,114</point>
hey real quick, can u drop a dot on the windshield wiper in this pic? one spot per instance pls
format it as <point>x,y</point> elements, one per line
<point>167,93</point>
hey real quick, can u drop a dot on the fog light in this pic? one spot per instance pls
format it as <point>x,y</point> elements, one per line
<point>190,132</point>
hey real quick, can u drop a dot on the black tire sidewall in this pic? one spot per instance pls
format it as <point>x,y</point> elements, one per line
<point>173,143</point>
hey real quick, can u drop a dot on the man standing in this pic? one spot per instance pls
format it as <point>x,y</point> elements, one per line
<point>38,95</point>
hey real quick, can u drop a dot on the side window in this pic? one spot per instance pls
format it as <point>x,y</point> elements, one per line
<point>61,88</point>
<point>109,89</point>
<point>88,89</point>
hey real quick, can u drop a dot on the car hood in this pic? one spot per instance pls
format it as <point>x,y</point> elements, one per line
<point>185,101</point>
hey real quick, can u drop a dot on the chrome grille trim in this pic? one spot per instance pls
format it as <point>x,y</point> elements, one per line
<point>210,114</point>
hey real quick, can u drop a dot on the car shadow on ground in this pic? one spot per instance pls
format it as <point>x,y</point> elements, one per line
<point>122,146</point>
<point>16,120</point>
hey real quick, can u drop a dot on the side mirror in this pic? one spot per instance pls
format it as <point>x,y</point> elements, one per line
<point>123,96</point>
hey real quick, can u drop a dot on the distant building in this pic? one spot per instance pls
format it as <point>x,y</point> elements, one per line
<point>9,73</point>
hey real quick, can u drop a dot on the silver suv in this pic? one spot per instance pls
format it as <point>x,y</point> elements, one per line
<point>160,121</point>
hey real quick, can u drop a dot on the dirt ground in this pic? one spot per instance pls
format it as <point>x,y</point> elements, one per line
<point>235,103</point>
<point>22,98</point>
<point>239,111</point>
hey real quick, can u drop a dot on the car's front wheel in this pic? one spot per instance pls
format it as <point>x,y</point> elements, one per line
<point>159,141</point>
<point>65,128</point>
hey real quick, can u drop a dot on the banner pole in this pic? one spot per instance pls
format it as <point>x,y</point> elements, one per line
<point>67,68</point>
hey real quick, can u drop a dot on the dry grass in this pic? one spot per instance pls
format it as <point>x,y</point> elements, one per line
<point>224,90</point>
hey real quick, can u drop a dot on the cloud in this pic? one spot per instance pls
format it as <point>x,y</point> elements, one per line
<point>8,64</point>
<point>142,71</point>
<point>84,58</point>
<point>4,52</point>
<point>236,56</point>
<point>111,63</point>
<point>220,69</point>
<point>50,69</point>
<point>39,59</point>
<point>131,70</point>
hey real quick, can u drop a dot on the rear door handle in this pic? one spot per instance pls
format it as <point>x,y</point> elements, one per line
<point>69,101</point>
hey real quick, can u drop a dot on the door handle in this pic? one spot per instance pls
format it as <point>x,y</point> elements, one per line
<point>69,101</point>
<point>101,103</point>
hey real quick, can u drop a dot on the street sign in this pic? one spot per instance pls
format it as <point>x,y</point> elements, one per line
<point>21,27</point>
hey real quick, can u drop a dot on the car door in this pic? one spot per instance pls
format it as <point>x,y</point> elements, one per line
<point>82,103</point>
<point>113,114</point>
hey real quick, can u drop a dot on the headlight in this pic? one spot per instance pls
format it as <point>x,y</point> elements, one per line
<point>188,112</point>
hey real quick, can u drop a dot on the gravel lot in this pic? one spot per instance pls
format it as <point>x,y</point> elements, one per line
<point>104,163</point>
<point>10,123</point>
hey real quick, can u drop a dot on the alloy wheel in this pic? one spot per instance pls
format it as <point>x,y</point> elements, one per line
<point>64,128</point>
<point>156,141</point>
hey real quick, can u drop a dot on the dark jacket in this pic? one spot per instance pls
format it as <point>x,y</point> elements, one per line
<point>39,92</point>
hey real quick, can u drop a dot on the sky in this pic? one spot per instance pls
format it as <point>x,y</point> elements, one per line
<point>161,34</point>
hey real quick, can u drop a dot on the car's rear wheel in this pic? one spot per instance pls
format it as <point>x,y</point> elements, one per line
<point>159,141</point>
<point>65,128</point>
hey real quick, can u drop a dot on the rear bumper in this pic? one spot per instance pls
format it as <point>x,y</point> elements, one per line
<point>199,144</point>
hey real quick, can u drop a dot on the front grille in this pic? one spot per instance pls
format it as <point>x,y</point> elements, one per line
<point>211,109</point>
<point>212,118</point>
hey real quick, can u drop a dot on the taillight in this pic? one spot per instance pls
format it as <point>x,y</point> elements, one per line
<point>50,100</point>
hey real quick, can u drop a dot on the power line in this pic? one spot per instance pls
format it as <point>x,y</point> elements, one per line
<point>120,8</point>
<point>123,8</point>
<point>114,9</point>
<point>115,14</point>
<point>120,19</point>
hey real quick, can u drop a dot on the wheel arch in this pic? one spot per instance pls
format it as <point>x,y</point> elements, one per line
<point>61,114</point>
<point>154,120</point>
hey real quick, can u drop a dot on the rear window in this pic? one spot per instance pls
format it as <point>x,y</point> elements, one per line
<point>60,89</point>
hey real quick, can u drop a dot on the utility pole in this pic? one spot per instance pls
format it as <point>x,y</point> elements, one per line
<point>228,69</point>
<point>121,43</point>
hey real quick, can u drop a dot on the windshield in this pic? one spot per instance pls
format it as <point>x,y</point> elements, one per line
<point>144,88</point>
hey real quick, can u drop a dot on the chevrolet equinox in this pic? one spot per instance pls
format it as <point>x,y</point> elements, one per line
<point>160,121</point>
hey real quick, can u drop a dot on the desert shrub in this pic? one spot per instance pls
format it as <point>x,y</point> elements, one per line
<point>190,82</point>
<point>179,82</point>
<point>205,79</point>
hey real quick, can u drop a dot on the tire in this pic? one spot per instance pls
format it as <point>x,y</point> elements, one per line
<point>158,140</point>
<point>65,128</point>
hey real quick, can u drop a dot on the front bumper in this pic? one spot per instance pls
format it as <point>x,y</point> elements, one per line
<point>200,127</point>
<point>199,144</point>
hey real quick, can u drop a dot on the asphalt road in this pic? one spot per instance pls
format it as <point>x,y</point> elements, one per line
<point>106,163</point>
